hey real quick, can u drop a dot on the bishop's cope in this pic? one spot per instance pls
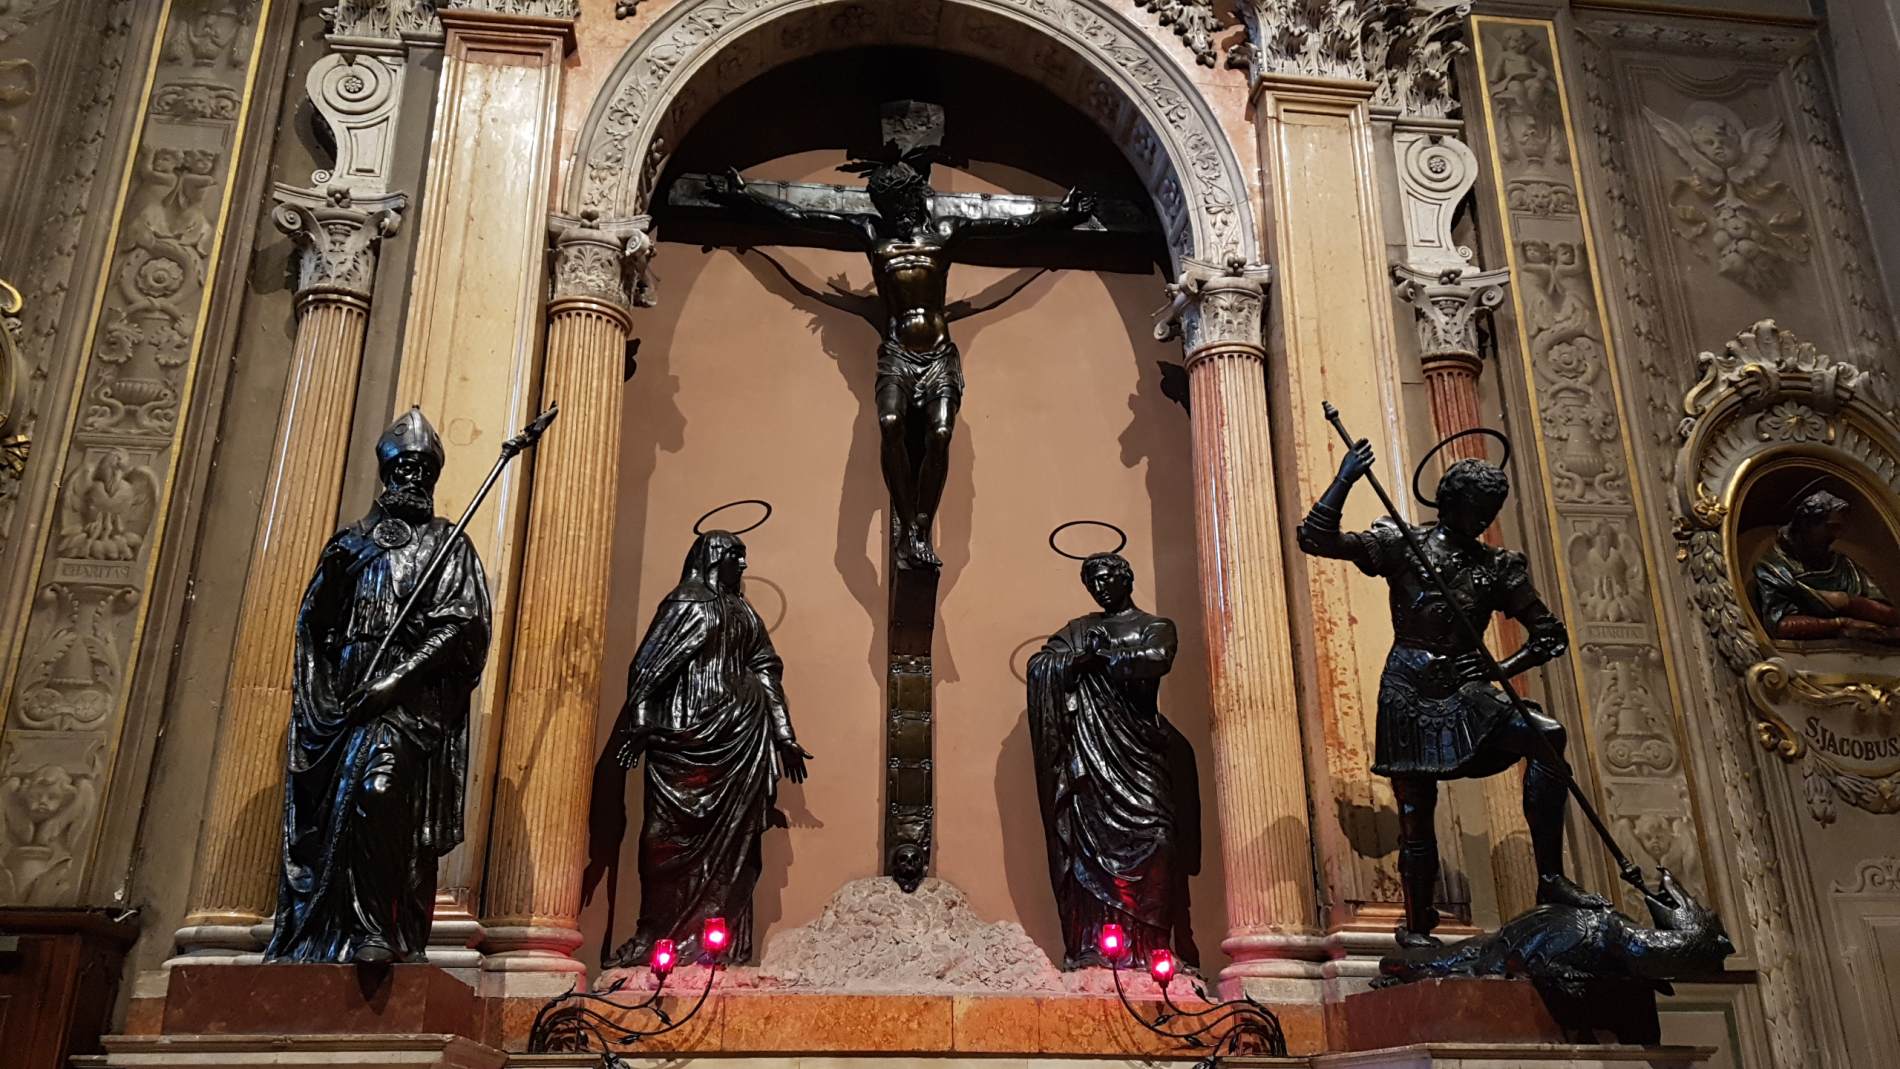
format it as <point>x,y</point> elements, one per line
<point>378,742</point>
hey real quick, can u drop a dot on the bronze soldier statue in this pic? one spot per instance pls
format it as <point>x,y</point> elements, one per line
<point>1442,714</point>
<point>378,748</point>
<point>1120,802</point>
<point>706,708</point>
<point>919,371</point>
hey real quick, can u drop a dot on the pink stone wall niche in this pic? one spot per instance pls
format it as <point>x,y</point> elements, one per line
<point>746,389</point>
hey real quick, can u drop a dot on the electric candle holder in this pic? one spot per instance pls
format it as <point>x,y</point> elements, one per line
<point>584,1021</point>
<point>1223,1029</point>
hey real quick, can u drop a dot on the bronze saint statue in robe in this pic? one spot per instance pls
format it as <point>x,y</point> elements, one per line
<point>373,795</point>
<point>919,370</point>
<point>1805,589</point>
<point>706,708</point>
<point>1441,713</point>
<point>1120,801</point>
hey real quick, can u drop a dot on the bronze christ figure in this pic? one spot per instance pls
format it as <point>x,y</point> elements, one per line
<point>919,371</point>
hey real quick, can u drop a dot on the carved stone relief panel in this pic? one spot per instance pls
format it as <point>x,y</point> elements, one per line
<point>417,20</point>
<point>1729,197</point>
<point>94,560</point>
<point>1085,53</point>
<point>27,40</point>
<point>1867,918</point>
<point>1632,736</point>
<point>56,206</point>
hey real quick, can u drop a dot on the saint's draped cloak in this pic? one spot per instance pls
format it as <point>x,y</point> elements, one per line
<point>1785,587</point>
<point>706,684</point>
<point>1116,784</point>
<point>356,865</point>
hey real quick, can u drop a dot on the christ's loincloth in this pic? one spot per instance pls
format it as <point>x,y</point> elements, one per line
<point>923,377</point>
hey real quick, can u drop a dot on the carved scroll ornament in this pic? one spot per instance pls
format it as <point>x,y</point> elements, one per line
<point>14,442</point>
<point>1769,400</point>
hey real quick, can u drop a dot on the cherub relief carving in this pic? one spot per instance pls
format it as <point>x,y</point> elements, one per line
<point>1529,110</point>
<point>107,513</point>
<point>19,80</point>
<point>1606,561</point>
<point>43,812</point>
<point>1561,310</point>
<point>1757,228</point>
<point>1667,838</point>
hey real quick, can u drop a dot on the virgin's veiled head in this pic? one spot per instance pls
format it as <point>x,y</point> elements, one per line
<point>716,562</point>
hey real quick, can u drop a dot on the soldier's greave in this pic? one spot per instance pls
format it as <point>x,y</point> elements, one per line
<point>1418,871</point>
<point>1418,851</point>
<point>1545,796</point>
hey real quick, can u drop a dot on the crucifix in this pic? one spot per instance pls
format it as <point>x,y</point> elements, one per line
<point>911,235</point>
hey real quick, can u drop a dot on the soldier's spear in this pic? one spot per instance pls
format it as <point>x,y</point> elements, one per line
<point>510,449</point>
<point>1631,872</point>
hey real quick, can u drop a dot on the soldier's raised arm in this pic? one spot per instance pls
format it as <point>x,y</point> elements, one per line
<point>1319,534</point>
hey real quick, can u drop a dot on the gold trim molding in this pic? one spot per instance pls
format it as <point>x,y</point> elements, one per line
<point>1770,400</point>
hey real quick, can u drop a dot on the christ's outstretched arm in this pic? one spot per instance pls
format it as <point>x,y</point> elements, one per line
<point>732,189</point>
<point>1075,207</point>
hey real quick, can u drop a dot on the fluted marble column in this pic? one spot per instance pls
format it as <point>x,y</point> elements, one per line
<point>539,844</point>
<point>1265,832</point>
<point>235,885</point>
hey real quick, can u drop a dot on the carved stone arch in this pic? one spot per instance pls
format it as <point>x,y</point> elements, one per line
<point>1083,51</point>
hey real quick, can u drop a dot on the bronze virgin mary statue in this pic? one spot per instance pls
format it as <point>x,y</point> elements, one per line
<point>706,708</point>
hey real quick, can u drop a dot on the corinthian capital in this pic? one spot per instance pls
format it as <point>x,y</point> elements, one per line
<point>1214,308</point>
<point>337,236</point>
<point>1447,306</point>
<point>1404,47</point>
<point>602,260</point>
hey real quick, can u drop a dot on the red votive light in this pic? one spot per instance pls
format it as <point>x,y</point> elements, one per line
<point>1161,965</point>
<point>714,936</point>
<point>663,957</point>
<point>1113,941</point>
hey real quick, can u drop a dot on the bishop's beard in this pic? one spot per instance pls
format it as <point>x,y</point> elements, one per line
<point>407,503</point>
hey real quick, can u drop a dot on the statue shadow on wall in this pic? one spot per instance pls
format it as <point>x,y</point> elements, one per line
<point>1818,561</point>
<point>613,789</point>
<point>1026,858</point>
<point>854,352</point>
<point>1155,440</point>
<point>653,425</point>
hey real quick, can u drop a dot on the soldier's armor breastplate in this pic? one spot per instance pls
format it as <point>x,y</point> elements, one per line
<point>1420,616</point>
